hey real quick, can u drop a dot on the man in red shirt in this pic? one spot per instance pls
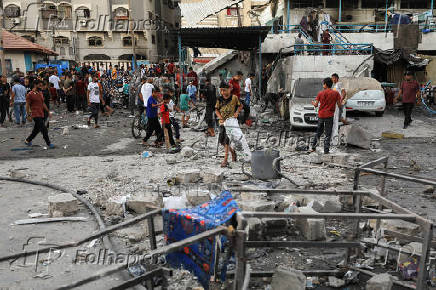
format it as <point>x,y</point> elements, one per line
<point>327,100</point>
<point>170,68</point>
<point>35,108</point>
<point>409,91</point>
<point>234,84</point>
<point>192,76</point>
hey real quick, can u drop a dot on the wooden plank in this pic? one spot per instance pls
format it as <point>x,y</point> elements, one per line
<point>50,220</point>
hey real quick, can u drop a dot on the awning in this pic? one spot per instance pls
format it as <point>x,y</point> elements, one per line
<point>238,38</point>
<point>391,56</point>
<point>97,57</point>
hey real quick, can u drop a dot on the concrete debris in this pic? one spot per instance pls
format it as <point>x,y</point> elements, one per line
<point>339,158</point>
<point>65,131</point>
<point>428,189</point>
<point>355,135</point>
<point>326,206</point>
<point>256,205</point>
<point>413,247</point>
<point>254,229</point>
<point>197,197</point>
<point>312,229</point>
<point>63,204</point>
<point>288,200</point>
<point>188,176</point>
<point>335,282</point>
<point>380,282</point>
<point>116,205</point>
<point>212,177</point>
<point>175,202</point>
<point>248,195</point>
<point>288,279</point>
<point>187,152</point>
<point>400,226</point>
<point>16,174</point>
<point>144,202</point>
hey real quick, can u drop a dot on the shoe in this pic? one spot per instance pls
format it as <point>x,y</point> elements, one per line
<point>28,143</point>
<point>405,126</point>
<point>326,152</point>
<point>97,126</point>
<point>51,146</point>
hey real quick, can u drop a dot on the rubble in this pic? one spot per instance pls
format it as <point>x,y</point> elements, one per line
<point>63,204</point>
<point>380,282</point>
<point>428,189</point>
<point>400,226</point>
<point>144,202</point>
<point>188,176</point>
<point>414,248</point>
<point>116,206</point>
<point>335,282</point>
<point>254,229</point>
<point>187,152</point>
<point>248,195</point>
<point>256,205</point>
<point>288,279</point>
<point>312,229</point>
<point>341,158</point>
<point>212,177</point>
<point>355,135</point>
<point>197,197</point>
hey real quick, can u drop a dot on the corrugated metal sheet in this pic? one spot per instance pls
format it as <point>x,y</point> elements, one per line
<point>193,13</point>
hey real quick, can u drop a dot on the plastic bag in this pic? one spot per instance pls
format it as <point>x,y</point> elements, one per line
<point>237,138</point>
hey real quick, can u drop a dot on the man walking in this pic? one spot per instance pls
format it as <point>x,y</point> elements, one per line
<point>210,95</point>
<point>18,99</point>
<point>69,92</point>
<point>327,100</point>
<point>409,91</point>
<point>248,89</point>
<point>35,108</point>
<point>95,97</point>
<point>153,119</point>
<point>4,100</point>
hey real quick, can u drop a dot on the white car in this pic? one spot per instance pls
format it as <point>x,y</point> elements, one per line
<point>368,101</point>
<point>301,111</point>
<point>367,95</point>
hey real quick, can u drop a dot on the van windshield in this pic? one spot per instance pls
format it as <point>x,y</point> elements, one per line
<point>308,88</point>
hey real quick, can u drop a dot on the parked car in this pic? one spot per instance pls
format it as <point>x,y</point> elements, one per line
<point>367,95</point>
<point>301,111</point>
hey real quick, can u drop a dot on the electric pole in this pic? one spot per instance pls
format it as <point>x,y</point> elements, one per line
<point>2,52</point>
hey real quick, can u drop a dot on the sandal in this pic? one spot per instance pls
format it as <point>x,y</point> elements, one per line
<point>224,164</point>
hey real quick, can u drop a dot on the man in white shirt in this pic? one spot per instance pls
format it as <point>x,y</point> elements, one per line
<point>55,80</point>
<point>340,111</point>
<point>173,108</point>
<point>248,93</point>
<point>95,97</point>
<point>146,91</point>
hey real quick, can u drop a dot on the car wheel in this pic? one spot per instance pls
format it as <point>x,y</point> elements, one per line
<point>379,114</point>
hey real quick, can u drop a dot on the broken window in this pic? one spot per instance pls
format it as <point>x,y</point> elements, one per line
<point>373,4</point>
<point>332,4</point>
<point>65,11</point>
<point>61,40</point>
<point>306,3</point>
<point>121,13</point>
<point>416,4</point>
<point>127,41</point>
<point>83,12</point>
<point>95,41</point>
<point>12,11</point>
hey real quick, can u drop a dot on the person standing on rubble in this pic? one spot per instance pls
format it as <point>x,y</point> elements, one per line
<point>152,108</point>
<point>210,95</point>
<point>339,111</point>
<point>299,45</point>
<point>327,100</point>
<point>95,97</point>
<point>409,91</point>
<point>227,106</point>
<point>326,38</point>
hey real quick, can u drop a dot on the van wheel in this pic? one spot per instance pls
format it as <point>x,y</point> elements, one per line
<point>379,114</point>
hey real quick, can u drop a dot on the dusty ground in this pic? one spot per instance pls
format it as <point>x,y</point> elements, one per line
<point>106,162</point>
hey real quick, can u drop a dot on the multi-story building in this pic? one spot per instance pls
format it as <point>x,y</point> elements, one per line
<point>100,31</point>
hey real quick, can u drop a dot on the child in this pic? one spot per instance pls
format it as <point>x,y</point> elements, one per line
<point>185,101</point>
<point>165,116</point>
<point>174,122</point>
<point>54,94</point>
<point>192,92</point>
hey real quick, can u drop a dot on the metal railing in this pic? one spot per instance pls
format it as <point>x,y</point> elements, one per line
<point>354,28</point>
<point>334,48</point>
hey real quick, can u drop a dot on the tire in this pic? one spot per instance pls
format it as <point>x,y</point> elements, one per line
<point>137,127</point>
<point>379,114</point>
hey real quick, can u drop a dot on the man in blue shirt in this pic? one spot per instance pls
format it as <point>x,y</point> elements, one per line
<point>192,92</point>
<point>153,124</point>
<point>18,99</point>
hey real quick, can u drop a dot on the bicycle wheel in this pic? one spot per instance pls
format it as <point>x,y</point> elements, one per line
<point>137,127</point>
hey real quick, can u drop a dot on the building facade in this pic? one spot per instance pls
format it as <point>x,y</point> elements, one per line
<point>100,31</point>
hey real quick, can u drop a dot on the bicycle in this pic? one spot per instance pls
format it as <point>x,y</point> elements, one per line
<point>139,125</point>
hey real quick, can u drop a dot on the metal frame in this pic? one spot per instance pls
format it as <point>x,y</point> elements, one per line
<point>242,271</point>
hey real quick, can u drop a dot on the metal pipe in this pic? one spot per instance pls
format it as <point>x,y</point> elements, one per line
<point>406,217</point>
<point>288,15</point>
<point>260,67</point>
<point>300,244</point>
<point>400,176</point>
<point>303,192</point>
<point>340,11</point>
<point>179,39</point>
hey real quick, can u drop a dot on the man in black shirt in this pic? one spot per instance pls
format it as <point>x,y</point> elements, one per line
<point>210,95</point>
<point>4,100</point>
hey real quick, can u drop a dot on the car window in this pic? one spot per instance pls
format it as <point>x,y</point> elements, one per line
<point>307,88</point>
